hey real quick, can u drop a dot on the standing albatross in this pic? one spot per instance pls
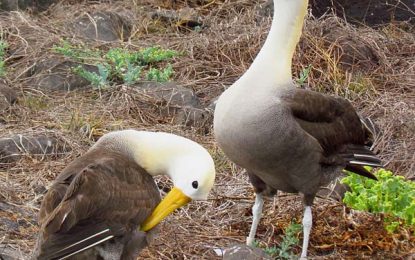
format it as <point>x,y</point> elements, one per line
<point>102,204</point>
<point>287,138</point>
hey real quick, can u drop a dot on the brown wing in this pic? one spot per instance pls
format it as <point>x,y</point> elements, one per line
<point>334,123</point>
<point>97,197</point>
<point>331,120</point>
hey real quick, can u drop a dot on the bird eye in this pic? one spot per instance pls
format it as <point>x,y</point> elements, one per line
<point>195,184</point>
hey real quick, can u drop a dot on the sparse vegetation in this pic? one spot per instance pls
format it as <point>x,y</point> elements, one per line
<point>391,195</point>
<point>120,65</point>
<point>289,240</point>
<point>3,47</point>
<point>304,75</point>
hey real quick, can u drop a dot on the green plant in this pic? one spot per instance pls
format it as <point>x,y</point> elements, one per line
<point>98,80</point>
<point>284,251</point>
<point>289,240</point>
<point>3,47</point>
<point>392,195</point>
<point>120,65</point>
<point>77,53</point>
<point>160,76</point>
<point>154,54</point>
<point>304,75</point>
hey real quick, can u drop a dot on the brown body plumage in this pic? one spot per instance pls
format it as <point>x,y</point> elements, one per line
<point>102,191</point>
<point>105,204</point>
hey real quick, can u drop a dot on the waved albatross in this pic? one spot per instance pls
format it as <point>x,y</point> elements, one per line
<point>287,138</point>
<point>102,204</point>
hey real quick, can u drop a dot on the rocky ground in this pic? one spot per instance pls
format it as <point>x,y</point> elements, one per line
<point>49,115</point>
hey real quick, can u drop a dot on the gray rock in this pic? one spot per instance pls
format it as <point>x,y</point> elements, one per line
<point>334,190</point>
<point>9,253</point>
<point>103,26</point>
<point>194,117</point>
<point>185,18</point>
<point>169,93</point>
<point>56,74</point>
<point>244,252</point>
<point>367,11</point>
<point>8,96</point>
<point>178,102</point>
<point>13,148</point>
<point>14,5</point>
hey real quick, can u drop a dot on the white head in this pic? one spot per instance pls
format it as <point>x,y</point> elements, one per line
<point>187,163</point>
<point>194,174</point>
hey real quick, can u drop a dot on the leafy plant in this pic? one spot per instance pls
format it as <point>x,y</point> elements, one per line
<point>77,53</point>
<point>98,80</point>
<point>304,75</point>
<point>160,76</point>
<point>3,47</point>
<point>120,65</point>
<point>284,251</point>
<point>154,55</point>
<point>392,195</point>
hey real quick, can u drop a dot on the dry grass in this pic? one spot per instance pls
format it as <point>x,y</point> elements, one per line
<point>214,58</point>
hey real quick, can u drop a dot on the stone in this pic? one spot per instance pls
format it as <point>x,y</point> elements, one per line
<point>242,251</point>
<point>177,102</point>
<point>185,18</point>
<point>15,5</point>
<point>334,190</point>
<point>169,93</point>
<point>8,96</point>
<point>13,148</point>
<point>103,26</point>
<point>56,74</point>
<point>352,51</point>
<point>194,117</point>
<point>369,12</point>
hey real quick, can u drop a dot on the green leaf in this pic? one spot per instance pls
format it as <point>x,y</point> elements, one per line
<point>391,195</point>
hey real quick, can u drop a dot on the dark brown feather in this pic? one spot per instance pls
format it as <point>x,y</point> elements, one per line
<point>334,123</point>
<point>100,190</point>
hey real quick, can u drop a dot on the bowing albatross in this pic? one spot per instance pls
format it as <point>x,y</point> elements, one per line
<point>102,204</point>
<point>287,138</point>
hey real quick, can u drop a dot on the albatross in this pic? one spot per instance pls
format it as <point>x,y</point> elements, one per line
<point>287,138</point>
<point>105,203</point>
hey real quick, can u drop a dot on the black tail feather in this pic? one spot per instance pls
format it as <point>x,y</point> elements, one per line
<point>360,170</point>
<point>358,156</point>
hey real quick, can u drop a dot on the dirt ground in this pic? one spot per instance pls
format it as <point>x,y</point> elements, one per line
<point>373,68</point>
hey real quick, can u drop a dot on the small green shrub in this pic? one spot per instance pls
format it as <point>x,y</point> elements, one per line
<point>290,239</point>
<point>154,55</point>
<point>120,65</point>
<point>391,194</point>
<point>3,47</point>
<point>98,80</point>
<point>160,75</point>
<point>304,75</point>
<point>80,53</point>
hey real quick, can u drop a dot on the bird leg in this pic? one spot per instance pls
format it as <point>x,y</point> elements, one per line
<point>307,223</point>
<point>256,216</point>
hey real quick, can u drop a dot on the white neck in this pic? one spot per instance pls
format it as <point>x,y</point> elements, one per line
<point>156,152</point>
<point>273,63</point>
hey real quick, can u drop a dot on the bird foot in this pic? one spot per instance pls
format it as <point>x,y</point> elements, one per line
<point>249,241</point>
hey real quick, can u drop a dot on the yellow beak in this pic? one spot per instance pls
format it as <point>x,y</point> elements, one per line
<point>173,200</point>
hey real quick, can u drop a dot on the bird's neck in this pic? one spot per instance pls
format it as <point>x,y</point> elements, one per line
<point>156,152</point>
<point>272,66</point>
